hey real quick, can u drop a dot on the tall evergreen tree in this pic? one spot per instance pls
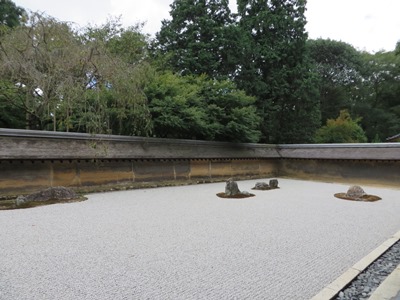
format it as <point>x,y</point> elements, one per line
<point>276,69</point>
<point>198,38</point>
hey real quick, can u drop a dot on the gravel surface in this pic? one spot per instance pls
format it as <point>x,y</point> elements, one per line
<point>186,243</point>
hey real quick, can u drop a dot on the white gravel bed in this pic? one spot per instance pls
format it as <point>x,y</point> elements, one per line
<point>186,243</point>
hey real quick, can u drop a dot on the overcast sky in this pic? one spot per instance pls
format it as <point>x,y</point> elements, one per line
<point>366,24</point>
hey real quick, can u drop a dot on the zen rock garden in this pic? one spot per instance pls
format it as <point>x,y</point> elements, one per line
<point>65,195</point>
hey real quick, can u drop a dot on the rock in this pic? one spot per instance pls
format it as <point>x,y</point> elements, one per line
<point>366,289</point>
<point>53,193</point>
<point>355,191</point>
<point>20,200</point>
<point>231,187</point>
<point>273,183</point>
<point>232,191</point>
<point>261,186</point>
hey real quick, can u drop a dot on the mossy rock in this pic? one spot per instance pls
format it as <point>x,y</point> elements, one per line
<point>48,196</point>
<point>364,198</point>
<point>236,196</point>
<point>264,188</point>
<point>51,201</point>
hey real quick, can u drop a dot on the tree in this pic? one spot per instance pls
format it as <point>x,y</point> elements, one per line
<point>198,38</point>
<point>11,104</point>
<point>43,60</point>
<point>382,77</point>
<point>339,66</point>
<point>77,81</point>
<point>119,72</point>
<point>277,70</point>
<point>10,14</point>
<point>231,111</point>
<point>170,97</point>
<point>195,107</point>
<point>341,130</point>
<point>378,98</point>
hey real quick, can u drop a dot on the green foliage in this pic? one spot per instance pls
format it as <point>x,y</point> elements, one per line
<point>11,106</point>
<point>231,110</point>
<point>337,62</point>
<point>246,77</point>
<point>382,78</point>
<point>168,97</point>
<point>41,60</point>
<point>378,98</point>
<point>379,123</point>
<point>119,72</point>
<point>339,66</point>
<point>276,69</point>
<point>197,38</point>
<point>10,14</point>
<point>341,130</point>
<point>131,45</point>
<point>365,84</point>
<point>198,108</point>
<point>78,81</point>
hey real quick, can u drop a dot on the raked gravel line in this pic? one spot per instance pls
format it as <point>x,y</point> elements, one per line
<point>186,243</point>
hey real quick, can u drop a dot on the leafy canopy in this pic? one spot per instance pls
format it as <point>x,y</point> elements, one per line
<point>195,107</point>
<point>341,130</point>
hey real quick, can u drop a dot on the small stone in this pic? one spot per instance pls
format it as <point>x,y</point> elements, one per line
<point>261,186</point>
<point>367,289</point>
<point>20,200</point>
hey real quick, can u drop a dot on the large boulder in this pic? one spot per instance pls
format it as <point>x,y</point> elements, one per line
<point>355,191</point>
<point>50,194</point>
<point>232,191</point>
<point>231,188</point>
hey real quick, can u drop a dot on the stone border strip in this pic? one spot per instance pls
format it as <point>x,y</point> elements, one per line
<point>332,289</point>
